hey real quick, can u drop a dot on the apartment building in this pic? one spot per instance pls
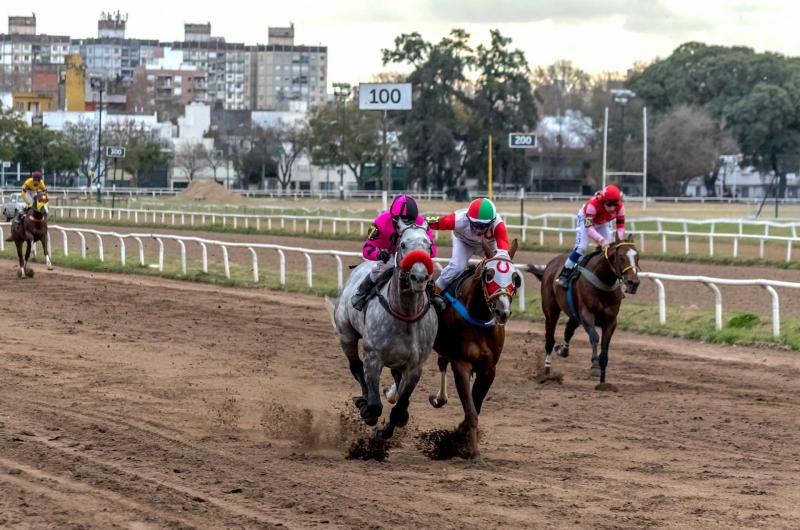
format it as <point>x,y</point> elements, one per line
<point>22,49</point>
<point>111,54</point>
<point>158,88</point>
<point>224,62</point>
<point>280,72</point>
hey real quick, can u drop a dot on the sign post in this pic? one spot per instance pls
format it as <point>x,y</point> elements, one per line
<point>3,170</point>
<point>115,153</point>
<point>385,97</point>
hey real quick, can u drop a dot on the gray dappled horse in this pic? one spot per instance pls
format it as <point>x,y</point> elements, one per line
<point>397,332</point>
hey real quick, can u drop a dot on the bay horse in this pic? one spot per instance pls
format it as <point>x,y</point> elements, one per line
<point>30,229</point>
<point>596,299</point>
<point>471,336</point>
<point>397,327</point>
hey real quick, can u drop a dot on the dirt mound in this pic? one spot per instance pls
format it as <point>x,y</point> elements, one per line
<point>208,190</point>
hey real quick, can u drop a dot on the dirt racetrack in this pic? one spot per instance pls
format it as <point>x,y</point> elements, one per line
<point>129,402</point>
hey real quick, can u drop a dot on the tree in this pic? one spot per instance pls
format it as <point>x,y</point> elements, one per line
<point>503,103</point>
<point>190,157</point>
<point>683,144</point>
<point>434,130</point>
<point>82,138</point>
<point>362,141</point>
<point>283,144</point>
<point>10,125</point>
<point>143,152</point>
<point>561,86</point>
<point>214,160</point>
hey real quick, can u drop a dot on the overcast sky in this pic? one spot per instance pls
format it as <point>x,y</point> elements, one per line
<point>597,35</point>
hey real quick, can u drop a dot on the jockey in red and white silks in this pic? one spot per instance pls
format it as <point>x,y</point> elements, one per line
<point>594,221</point>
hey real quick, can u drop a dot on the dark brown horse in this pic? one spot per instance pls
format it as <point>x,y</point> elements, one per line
<point>472,343</point>
<point>596,298</point>
<point>31,229</point>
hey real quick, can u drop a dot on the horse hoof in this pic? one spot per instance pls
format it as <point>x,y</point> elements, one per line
<point>29,273</point>
<point>50,267</point>
<point>478,461</point>
<point>371,422</point>
<point>403,420</point>
<point>360,402</point>
<point>385,433</point>
<point>371,414</point>
<point>387,393</point>
<point>562,351</point>
<point>435,403</point>
<point>606,387</point>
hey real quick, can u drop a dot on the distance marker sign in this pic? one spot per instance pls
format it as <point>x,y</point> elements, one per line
<point>115,152</point>
<point>522,140</point>
<point>384,96</point>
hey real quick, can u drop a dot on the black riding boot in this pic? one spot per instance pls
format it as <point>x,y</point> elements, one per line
<point>563,278</point>
<point>360,298</point>
<point>437,302</point>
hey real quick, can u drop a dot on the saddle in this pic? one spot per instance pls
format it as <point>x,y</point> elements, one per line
<point>452,288</point>
<point>576,271</point>
<point>383,279</point>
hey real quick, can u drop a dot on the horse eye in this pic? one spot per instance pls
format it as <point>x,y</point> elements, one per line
<point>403,246</point>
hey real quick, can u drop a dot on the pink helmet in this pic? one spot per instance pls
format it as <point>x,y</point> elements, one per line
<point>404,207</point>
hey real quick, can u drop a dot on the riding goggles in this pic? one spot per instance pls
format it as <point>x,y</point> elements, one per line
<point>613,204</point>
<point>480,226</point>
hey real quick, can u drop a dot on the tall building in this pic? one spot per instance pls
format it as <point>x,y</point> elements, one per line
<point>22,49</point>
<point>224,62</point>
<point>111,54</point>
<point>166,88</point>
<point>281,72</point>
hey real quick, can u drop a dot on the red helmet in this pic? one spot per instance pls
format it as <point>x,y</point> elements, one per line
<point>611,193</point>
<point>36,175</point>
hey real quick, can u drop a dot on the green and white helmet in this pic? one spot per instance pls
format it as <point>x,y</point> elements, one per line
<point>481,213</point>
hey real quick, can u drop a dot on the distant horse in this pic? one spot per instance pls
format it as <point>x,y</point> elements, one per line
<point>31,229</point>
<point>596,298</point>
<point>397,327</point>
<point>471,335</point>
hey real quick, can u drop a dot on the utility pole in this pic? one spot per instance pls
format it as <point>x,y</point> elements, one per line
<point>387,176</point>
<point>99,85</point>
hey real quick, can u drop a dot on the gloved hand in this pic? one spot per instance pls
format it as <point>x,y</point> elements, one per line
<point>605,244</point>
<point>384,255</point>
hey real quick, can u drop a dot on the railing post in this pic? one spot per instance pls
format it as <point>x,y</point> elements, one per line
<point>717,304</point>
<point>662,302</point>
<point>121,250</point>
<point>160,255</point>
<point>100,246</point>
<point>789,250</point>
<point>141,250</point>
<point>83,245</point>
<point>64,237</point>
<point>205,256</point>
<point>521,293</point>
<point>711,245</point>
<point>255,264</point>
<point>761,248</point>
<point>183,257</point>
<point>776,311</point>
<point>308,269</point>
<point>281,266</point>
<point>686,244</point>
<point>225,261</point>
<point>339,276</point>
<point>735,247</point>
<point>663,243</point>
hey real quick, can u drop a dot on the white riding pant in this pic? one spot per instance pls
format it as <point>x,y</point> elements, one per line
<point>462,252</point>
<point>31,196</point>
<point>582,238</point>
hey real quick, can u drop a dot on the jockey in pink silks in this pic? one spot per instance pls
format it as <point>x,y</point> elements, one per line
<point>381,244</point>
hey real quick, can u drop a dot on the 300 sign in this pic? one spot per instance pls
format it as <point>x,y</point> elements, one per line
<point>522,140</point>
<point>115,152</point>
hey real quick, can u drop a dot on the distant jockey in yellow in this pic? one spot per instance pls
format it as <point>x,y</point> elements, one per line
<point>30,188</point>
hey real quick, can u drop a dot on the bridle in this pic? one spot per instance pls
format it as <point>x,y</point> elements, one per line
<point>614,268</point>
<point>501,290</point>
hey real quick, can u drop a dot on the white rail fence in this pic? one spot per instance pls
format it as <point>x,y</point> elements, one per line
<point>182,241</point>
<point>337,255</point>
<point>712,283</point>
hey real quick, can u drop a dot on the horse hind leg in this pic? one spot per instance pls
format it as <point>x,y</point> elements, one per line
<point>551,322</point>
<point>608,332</point>
<point>21,272</point>
<point>349,343</point>
<point>440,400</point>
<point>594,340</point>
<point>46,246</point>
<point>563,349</point>
<point>390,393</point>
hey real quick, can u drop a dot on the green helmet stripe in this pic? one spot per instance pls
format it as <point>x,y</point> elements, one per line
<point>486,212</point>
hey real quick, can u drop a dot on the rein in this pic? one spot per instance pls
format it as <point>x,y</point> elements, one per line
<point>618,273</point>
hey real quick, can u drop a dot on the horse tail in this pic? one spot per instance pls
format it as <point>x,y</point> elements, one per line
<point>536,270</point>
<point>330,305</point>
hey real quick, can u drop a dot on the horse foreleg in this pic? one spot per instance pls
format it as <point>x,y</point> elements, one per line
<point>594,339</point>
<point>608,332</point>
<point>46,247</point>
<point>483,382</point>
<point>373,366</point>
<point>551,322</point>
<point>21,273</point>
<point>399,415</point>
<point>440,400</point>
<point>461,374</point>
